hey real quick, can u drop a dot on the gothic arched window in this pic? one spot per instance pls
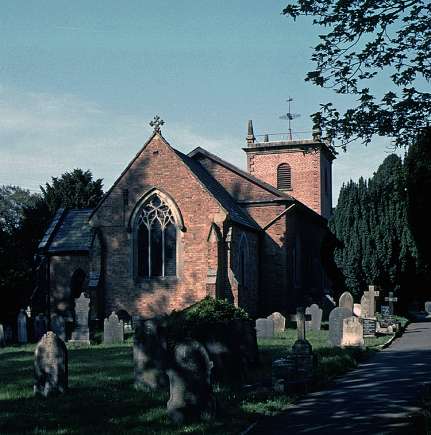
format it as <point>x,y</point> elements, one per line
<point>156,239</point>
<point>284,177</point>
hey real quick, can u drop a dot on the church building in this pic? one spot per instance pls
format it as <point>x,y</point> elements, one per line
<point>177,227</point>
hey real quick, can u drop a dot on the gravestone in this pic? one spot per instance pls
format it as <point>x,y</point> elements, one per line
<point>316,318</point>
<point>40,326</point>
<point>279,322</point>
<point>58,326</point>
<point>365,306</point>
<point>50,366</point>
<point>370,297</point>
<point>264,328</point>
<point>81,333</point>
<point>387,317</point>
<point>346,301</point>
<point>191,395</point>
<point>353,332</point>
<point>336,318</point>
<point>428,307</point>
<point>8,334</point>
<point>357,310</point>
<point>2,338</point>
<point>391,299</point>
<point>113,330</point>
<point>150,355</point>
<point>22,327</point>
<point>370,327</point>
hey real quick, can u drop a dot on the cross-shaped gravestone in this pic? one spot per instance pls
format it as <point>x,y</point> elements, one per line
<point>301,317</point>
<point>391,299</point>
<point>371,294</point>
<point>157,123</point>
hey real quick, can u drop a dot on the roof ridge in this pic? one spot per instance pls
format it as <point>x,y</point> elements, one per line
<point>240,172</point>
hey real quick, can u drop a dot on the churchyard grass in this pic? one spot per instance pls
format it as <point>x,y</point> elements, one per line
<point>102,398</point>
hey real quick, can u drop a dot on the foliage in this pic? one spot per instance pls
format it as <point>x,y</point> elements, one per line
<point>366,43</point>
<point>208,316</point>
<point>13,200</point>
<point>371,222</point>
<point>418,173</point>
<point>75,189</point>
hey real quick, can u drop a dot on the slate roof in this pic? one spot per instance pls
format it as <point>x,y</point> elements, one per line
<point>69,231</point>
<point>236,213</point>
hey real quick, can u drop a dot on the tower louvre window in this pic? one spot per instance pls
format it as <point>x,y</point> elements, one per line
<point>284,177</point>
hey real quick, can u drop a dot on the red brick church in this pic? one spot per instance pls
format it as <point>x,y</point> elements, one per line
<point>174,228</point>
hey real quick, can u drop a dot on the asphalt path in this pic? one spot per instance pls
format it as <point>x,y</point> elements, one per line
<point>379,397</point>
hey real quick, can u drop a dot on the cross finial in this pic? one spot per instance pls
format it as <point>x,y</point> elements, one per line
<point>157,123</point>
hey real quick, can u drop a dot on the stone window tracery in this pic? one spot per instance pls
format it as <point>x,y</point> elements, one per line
<point>156,239</point>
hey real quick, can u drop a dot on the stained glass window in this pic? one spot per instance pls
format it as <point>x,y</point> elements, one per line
<point>157,239</point>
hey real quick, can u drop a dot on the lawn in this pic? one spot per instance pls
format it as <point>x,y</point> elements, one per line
<point>102,398</point>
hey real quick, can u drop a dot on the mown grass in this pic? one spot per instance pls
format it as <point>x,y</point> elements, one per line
<point>102,399</point>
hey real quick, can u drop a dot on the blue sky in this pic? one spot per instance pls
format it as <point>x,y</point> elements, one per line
<point>79,82</point>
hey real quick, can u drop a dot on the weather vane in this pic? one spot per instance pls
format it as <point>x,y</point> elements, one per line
<point>157,123</point>
<point>290,116</point>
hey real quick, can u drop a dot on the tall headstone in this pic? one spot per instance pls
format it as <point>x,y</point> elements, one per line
<point>191,394</point>
<point>113,330</point>
<point>371,296</point>
<point>391,299</point>
<point>346,301</point>
<point>40,326</point>
<point>365,306</point>
<point>2,338</point>
<point>353,333</point>
<point>50,366</point>
<point>316,318</point>
<point>81,334</point>
<point>22,327</point>
<point>279,322</point>
<point>58,326</point>
<point>428,307</point>
<point>336,318</point>
<point>264,328</point>
<point>150,355</point>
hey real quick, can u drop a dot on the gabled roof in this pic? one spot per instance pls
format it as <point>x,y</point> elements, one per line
<point>236,213</point>
<point>69,231</point>
<point>266,186</point>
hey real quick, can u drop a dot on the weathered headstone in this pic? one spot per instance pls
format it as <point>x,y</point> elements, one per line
<point>371,296</point>
<point>346,301</point>
<point>353,332</point>
<point>391,299</point>
<point>50,366</point>
<point>2,338</point>
<point>81,334</point>
<point>40,326</point>
<point>336,318</point>
<point>58,326</point>
<point>365,306</point>
<point>357,310</point>
<point>279,322</point>
<point>370,327</point>
<point>113,330</point>
<point>191,395</point>
<point>264,328</point>
<point>428,307</point>
<point>316,318</point>
<point>150,355</point>
<point>22,327</point>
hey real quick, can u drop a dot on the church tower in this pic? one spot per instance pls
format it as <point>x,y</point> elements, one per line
<point>301,168</point>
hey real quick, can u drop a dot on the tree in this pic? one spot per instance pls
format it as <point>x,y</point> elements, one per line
<point>366,40</point>
<point>13,200</point>
<point>75,189</point>
<point>370,221</point>
<point>418,173</point>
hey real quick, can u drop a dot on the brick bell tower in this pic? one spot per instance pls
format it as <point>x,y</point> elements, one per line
<point>301,168</point>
